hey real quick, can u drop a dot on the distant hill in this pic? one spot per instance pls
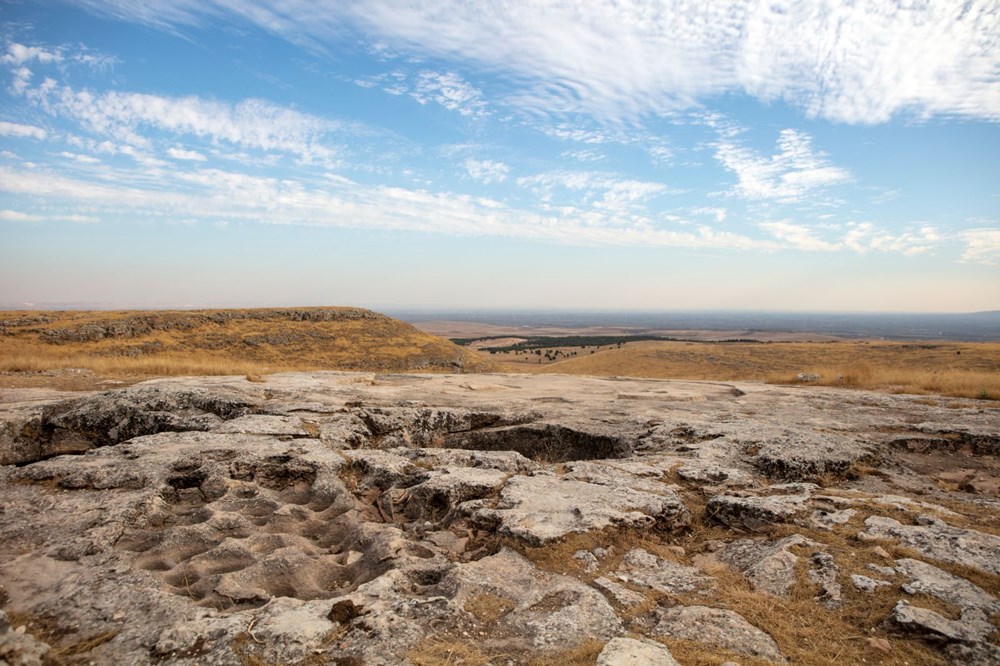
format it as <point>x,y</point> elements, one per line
<point>224,342</point>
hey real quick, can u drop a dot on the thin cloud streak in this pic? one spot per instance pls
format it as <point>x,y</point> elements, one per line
<point>855,62</point>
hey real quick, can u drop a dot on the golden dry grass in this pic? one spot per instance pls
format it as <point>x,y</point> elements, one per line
<point>231,342</point>
<point>968,370</point>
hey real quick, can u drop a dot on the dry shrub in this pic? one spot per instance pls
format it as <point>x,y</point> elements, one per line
<point>488,608</point>
<point>441,651</point>
<point>584,654</point>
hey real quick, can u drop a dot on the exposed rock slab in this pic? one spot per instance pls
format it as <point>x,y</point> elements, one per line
<point>769,566</point>
<point>718,627</point>
<point>348,518</point>
<point>629,652</point>
<point>649,571</point>
<point>542,508</point>
<point>547,611</point>
<point>940,541</point>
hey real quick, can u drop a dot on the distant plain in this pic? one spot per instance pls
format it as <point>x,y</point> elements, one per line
<point>77,350</point>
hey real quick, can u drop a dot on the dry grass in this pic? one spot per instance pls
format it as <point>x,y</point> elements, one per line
<point>969,370</point>
<point>445,651</point>
<point>232,342</point>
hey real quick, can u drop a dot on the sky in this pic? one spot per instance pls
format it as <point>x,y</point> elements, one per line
<point>828,155</point>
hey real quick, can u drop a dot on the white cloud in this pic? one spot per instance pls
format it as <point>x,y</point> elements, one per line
<point>188,155</point>
<point>798,236</point>
<point>660,155</point>
<point>718,213</point>
<point>21,131</point>
<point>18,54</point>
<point>450,91</point>
<point>793,172</point>
<point>77,157</point>
<point>127,117</point>
<point>583,155</point>
<point>18,216</point>
<point>487,171</point>
<point>982,246</point>
<point>600,190</point>
<point>211,195</point>
<point>855,62</point>
<point>865,236</point>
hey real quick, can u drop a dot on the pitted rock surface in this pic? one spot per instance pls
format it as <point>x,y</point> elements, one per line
<point>358,518</point>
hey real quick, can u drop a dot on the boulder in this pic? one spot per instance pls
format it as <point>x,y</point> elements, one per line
<point>630,652</point>
<point>718,627</point>
<point>538,509</point>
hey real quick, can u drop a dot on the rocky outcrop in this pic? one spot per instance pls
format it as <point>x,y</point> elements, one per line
<point>344,518</point>
<point>936,539</point>
<point>717,627</point>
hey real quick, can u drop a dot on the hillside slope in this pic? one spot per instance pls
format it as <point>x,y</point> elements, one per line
<point>224,342</point>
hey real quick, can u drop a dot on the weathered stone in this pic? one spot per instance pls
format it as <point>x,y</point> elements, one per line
<point>769,566</point>
<point>973,627</point>
<point>315,517</point>
<point>538,509</point>
<point>941,541</point>
<point>548,611</point>
<point>823,571</point>
<point>755,513</point>
<point>866,584</point>
<point>264,424</point>
<point>803,455</point>
<point>630,652</point>
<point>18,648</point>
<point>619,592</point>
<point>927,579</point>
<point>649,571</point>
<point>718,627</point>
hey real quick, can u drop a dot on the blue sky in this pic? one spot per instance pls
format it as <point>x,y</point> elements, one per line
<point>630,155</point>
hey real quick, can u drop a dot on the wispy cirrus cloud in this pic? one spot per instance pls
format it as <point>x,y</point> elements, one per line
<point>448,89</point>
<point>795,170</point>
<point>855,62</point>
<point>487,171</point>
<point>252,123</point>
<point>600,190</point>
<point>185,155</point>
<point>859,237</point>
<point>212,195</point>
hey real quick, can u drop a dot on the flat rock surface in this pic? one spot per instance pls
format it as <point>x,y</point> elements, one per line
<point>408,519</point>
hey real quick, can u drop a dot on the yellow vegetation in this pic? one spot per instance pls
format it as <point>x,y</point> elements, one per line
<point>969,370</point>
<point>223,342</point>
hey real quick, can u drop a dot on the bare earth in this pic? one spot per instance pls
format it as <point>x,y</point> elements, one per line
<point>361,518</point>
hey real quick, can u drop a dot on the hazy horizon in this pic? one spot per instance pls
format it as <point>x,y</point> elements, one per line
<point>657,156</point>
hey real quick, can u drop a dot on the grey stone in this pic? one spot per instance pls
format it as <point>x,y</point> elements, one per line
<point>927,579</point>
<point>866,584</point>
<point>718,627</point>
<point>623,595</point>
<point>756,513</point>
<point>973,627</point>
<point>538,509</point>
<point>769,566</point>
<point>941,541</point>
<point>631,652</point>
<point>823,571</point>
<point>805,455</point>
<point>548,611</point>
<point>649,571</point>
